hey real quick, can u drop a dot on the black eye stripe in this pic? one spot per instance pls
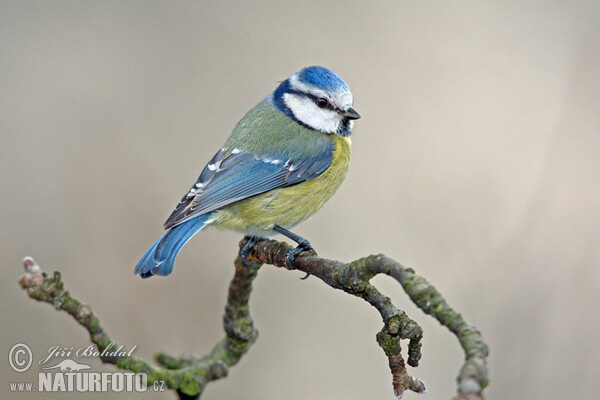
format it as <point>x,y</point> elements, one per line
<point>315,99</point>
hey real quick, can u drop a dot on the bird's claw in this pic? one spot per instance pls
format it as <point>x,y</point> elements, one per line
<point>245,253</point>
<point>291,255</point>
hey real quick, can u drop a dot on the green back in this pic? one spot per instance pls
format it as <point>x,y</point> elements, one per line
<point>266,130</point>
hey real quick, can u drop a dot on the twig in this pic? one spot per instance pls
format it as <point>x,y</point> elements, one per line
<point>187,375</point>
<point>354,278</point>
<point>190,375</point>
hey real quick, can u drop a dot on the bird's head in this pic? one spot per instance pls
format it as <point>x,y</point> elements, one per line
<point>318,98</point>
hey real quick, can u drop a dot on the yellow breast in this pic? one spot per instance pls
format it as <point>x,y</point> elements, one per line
<point>288,206</point>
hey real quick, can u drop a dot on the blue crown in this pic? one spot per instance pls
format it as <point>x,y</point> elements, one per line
<point>323,78</point>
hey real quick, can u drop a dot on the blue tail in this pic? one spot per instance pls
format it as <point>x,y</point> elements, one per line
<point>160,258</point>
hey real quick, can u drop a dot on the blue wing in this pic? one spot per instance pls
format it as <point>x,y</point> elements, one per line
<point>227,179</point>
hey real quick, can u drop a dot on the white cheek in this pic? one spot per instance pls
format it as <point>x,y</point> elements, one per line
<point>307,112</point>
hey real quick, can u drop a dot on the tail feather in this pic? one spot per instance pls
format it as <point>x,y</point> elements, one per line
<point>159,259</point>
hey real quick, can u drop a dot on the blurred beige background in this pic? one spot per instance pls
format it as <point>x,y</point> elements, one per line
<point>477,162</point>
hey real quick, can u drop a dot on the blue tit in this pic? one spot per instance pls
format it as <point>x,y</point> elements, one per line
<point>282,162</point>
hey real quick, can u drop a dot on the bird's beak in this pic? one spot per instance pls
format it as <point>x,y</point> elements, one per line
<point>351,114</point>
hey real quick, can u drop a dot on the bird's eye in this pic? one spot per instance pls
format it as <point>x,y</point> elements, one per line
<point>322,102</point>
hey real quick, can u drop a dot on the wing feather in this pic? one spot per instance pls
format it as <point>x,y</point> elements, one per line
<point>227,179</point>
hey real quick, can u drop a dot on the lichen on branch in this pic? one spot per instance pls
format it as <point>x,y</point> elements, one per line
<point>189,375</point>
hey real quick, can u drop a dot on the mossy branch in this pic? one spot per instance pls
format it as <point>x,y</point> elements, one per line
<point>189,375</point>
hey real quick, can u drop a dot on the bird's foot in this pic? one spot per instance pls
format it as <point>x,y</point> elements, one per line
<point>303,245</point>
<point>245,253</point>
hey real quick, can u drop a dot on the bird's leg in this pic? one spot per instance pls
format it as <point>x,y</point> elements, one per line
<point>252,240</point>
<point>303,245</point>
